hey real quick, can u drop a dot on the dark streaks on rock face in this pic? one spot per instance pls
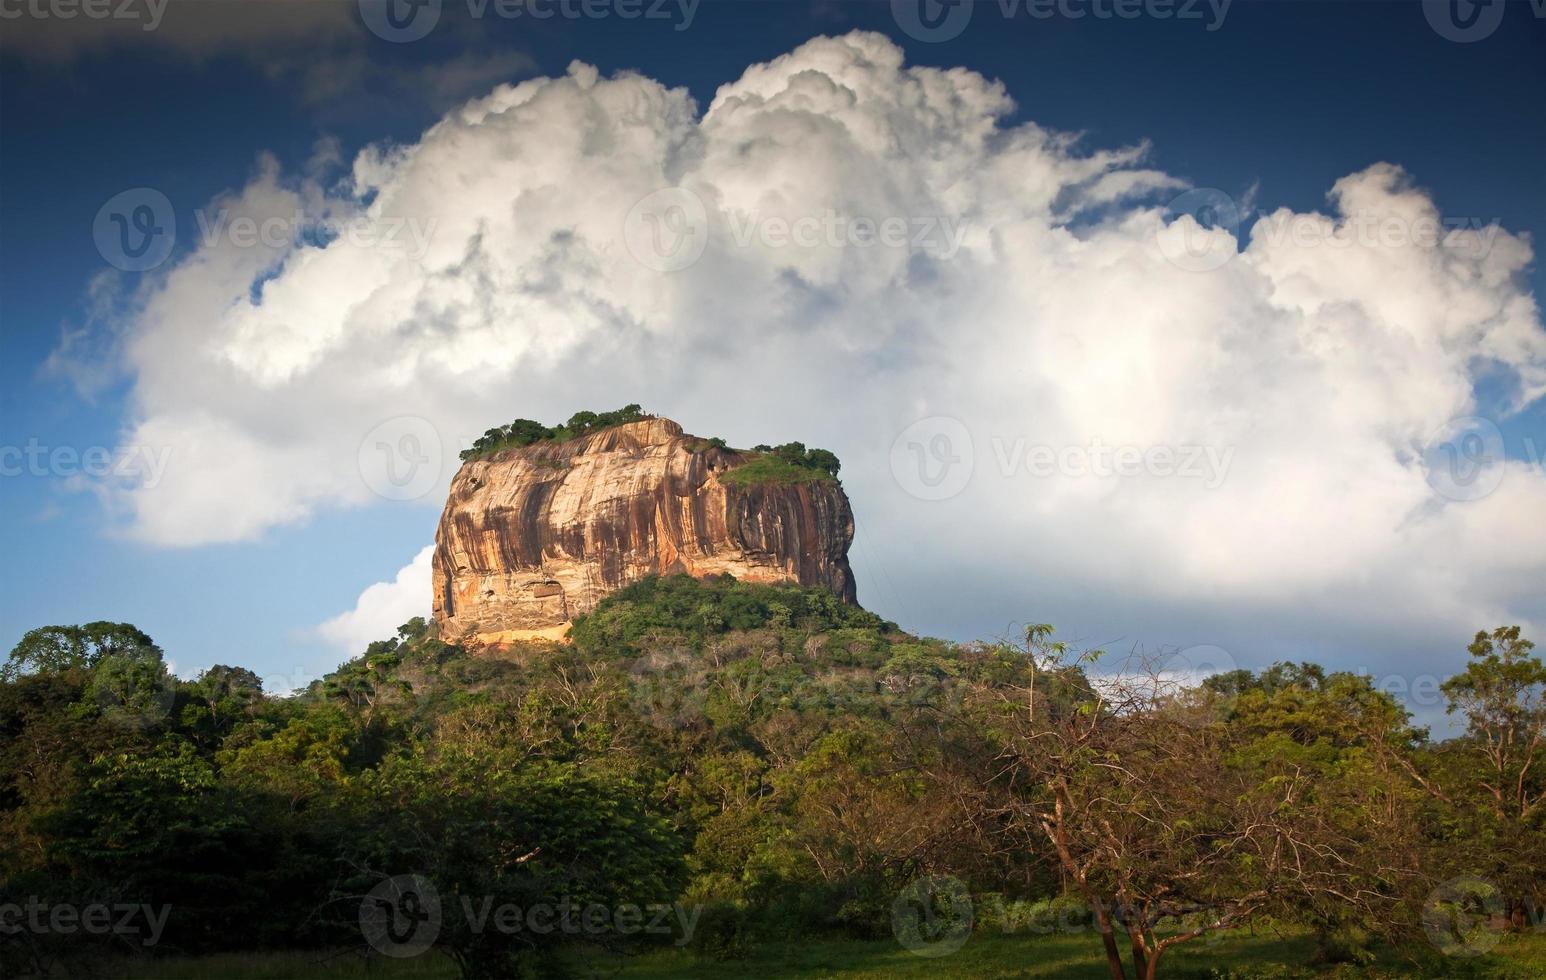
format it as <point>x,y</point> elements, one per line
<point>808,526</point>
<point>525,547</point>
<point>698,514</point>
<point>532,536</point>
<point>611,536</point>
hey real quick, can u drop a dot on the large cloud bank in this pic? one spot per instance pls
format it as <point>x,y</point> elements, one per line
<point>876,246</point>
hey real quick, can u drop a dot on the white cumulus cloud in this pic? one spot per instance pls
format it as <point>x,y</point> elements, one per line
<point>382,608</point>
<point>875,244</point>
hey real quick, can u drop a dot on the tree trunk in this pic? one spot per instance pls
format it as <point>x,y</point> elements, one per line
<point>1054,832</point>
<point>1109,940</point>
<point>1140,954</point>
<point>1113,957</point>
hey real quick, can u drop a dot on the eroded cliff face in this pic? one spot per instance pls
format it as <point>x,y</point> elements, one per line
<point>531,537</point>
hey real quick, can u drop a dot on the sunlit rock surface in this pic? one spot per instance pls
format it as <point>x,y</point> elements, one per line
<point>531,537</point>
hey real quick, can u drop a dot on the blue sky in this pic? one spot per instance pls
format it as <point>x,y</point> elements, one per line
<point>1273,107</point>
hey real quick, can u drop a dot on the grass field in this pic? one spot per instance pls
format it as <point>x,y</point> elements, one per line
<point>1263,955</point>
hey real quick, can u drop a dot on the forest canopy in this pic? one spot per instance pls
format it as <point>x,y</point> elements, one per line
<point>774,765</point>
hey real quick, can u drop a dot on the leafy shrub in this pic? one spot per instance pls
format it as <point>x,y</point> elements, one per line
<point>525,432</point>
<point>723,932</point>
<point>764,470</point>
<point>785,464</point>
<point>695,609</point>
<point>1060,913</point>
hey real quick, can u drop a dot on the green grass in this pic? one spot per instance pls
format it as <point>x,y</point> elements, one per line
<point>311,965</point>
<point>1077,957</point>
<point>763,470</point>
<point>986,955</point>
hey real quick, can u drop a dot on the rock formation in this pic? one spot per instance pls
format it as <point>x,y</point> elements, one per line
<point>533,536</point>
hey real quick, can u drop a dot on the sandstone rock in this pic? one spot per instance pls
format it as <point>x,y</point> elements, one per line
<point>533,536</point>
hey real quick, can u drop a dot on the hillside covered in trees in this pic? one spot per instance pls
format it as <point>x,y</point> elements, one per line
<point>770,764</point>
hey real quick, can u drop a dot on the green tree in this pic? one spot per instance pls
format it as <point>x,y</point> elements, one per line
<point>547,838</point>
<point>1502,695</point>
<point>49,649</point>
<point>1496,782</point>
<point>162,827</point>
